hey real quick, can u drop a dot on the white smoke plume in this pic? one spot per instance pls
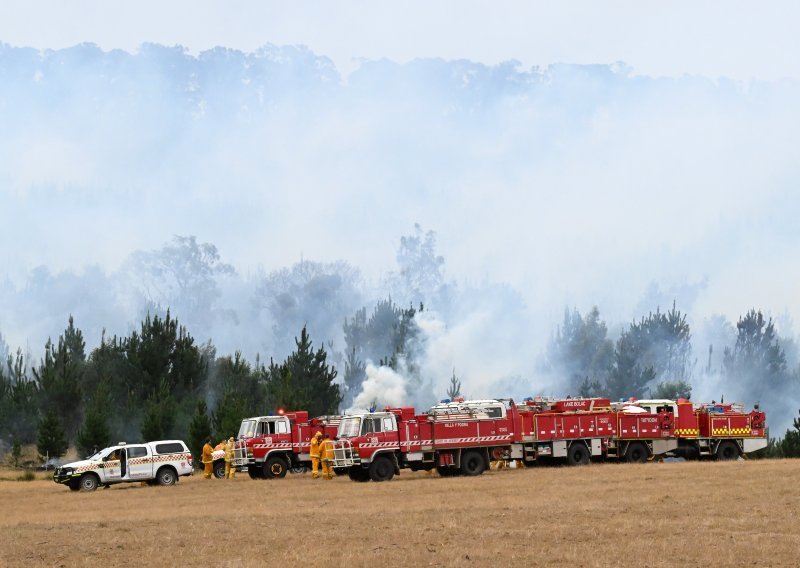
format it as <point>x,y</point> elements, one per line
<point>383,385</point>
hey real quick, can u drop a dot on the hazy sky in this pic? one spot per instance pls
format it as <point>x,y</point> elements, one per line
<point>737,39</point>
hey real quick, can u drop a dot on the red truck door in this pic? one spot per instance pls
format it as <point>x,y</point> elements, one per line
<point>380,433</point>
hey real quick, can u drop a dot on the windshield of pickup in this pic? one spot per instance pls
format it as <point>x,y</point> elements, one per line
<point>349,427</point>
<point>247,429</point>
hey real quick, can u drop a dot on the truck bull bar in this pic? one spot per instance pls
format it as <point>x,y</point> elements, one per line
<point>343,454</point>
<point>240,458</point>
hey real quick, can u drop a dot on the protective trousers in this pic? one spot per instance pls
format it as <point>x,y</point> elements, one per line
<point>230,470</point>
<point>314,467</point>
<point>327,470</point>
<point>208,469</point>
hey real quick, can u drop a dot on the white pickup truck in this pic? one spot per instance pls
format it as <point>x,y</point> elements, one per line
<point>161,462</point>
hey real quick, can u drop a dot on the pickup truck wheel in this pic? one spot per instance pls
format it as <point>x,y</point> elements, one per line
<point>578,454</point>
<point>219,469</point>
<point>89,482</point>
<point>275,468</point>
<point>472,463</point>
<point>74,485</point>
<point>382,469</point>
<point>727,450</point>
<point>166,476</point>
<point>298,469</point>
<point>637,453</point>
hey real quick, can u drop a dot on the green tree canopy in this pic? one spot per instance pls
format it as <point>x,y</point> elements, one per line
<point>304,380</point>
<point>51,441</point>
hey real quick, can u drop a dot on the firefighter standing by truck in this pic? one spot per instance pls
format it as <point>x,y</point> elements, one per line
<point>230,470</point>
<point>326,454</point>
<point>208,459</point>
<point>314,453</point>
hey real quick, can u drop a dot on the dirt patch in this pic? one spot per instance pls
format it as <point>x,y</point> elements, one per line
<point>667,514</point>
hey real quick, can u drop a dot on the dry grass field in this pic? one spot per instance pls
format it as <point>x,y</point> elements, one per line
<point>743,513</point>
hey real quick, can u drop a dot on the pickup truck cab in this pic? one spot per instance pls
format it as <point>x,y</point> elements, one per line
<point>161,462</point>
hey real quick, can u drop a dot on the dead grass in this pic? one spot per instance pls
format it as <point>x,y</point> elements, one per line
<point>670,514</point>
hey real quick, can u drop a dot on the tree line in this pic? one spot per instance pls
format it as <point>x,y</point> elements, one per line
<point>653,358</point>
<point>157,383</point>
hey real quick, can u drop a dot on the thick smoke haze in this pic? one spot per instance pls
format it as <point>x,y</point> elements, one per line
<point>291,185</point>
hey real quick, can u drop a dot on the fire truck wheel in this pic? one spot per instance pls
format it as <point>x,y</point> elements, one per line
<point>254,473</point>
<point>219,469</point>
<point>447,471</point>
<point>578,454</point>
<point>89,482</point>
<point>637,453</point>
<point>382,469</point>
<point>166,476</point>
<point>472,463</point>
<point>359,474</point>
<point>727,450</point>
<point>275,468</point>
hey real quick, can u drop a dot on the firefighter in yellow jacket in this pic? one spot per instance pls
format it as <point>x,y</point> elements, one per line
<point>314,453</point>
<point>326,454</point>
<point>230,468</point>
<point>208,459</point>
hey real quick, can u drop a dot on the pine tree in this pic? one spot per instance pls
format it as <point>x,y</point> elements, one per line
<point>757,356</point>
<point>18,410</point>
<point>199,429</point>
<point>16,452</point>
<point>59,377</point>
<point>790,445</point>
<point>454,390</point>
<point>159,416</point>
<point>672,390</point>
<point>305,380</point>
<point>355,371</point>
<point>51,441</point>
<point>228,416</point>
<point>95,433</point>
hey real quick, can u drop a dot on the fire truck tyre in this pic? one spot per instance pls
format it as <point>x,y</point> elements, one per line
<point>255,473</point>
<point>219,469</point>
<point>382,469</point>
<point>359,474</point>
<point>578,454</point>
<point>89,482</point>
<point>472,463</point>
<point>166,476</point>
<point>727,450</point>
<point>275,468</point>
<point>637,453</point>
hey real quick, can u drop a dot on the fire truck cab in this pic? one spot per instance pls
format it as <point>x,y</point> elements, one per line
<point>269,446</point>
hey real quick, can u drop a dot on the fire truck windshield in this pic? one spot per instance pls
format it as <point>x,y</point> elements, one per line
<point>248,429</point>
<point>349,427</point>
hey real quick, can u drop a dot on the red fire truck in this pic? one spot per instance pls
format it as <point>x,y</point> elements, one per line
<point>462,436</point>
<point>268,446</point>
<point>722,431</point>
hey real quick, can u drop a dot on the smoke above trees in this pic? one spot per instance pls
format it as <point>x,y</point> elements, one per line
<point>252,195</point>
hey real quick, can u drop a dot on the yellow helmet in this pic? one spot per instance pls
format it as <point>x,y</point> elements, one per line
<point>318,434</point>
